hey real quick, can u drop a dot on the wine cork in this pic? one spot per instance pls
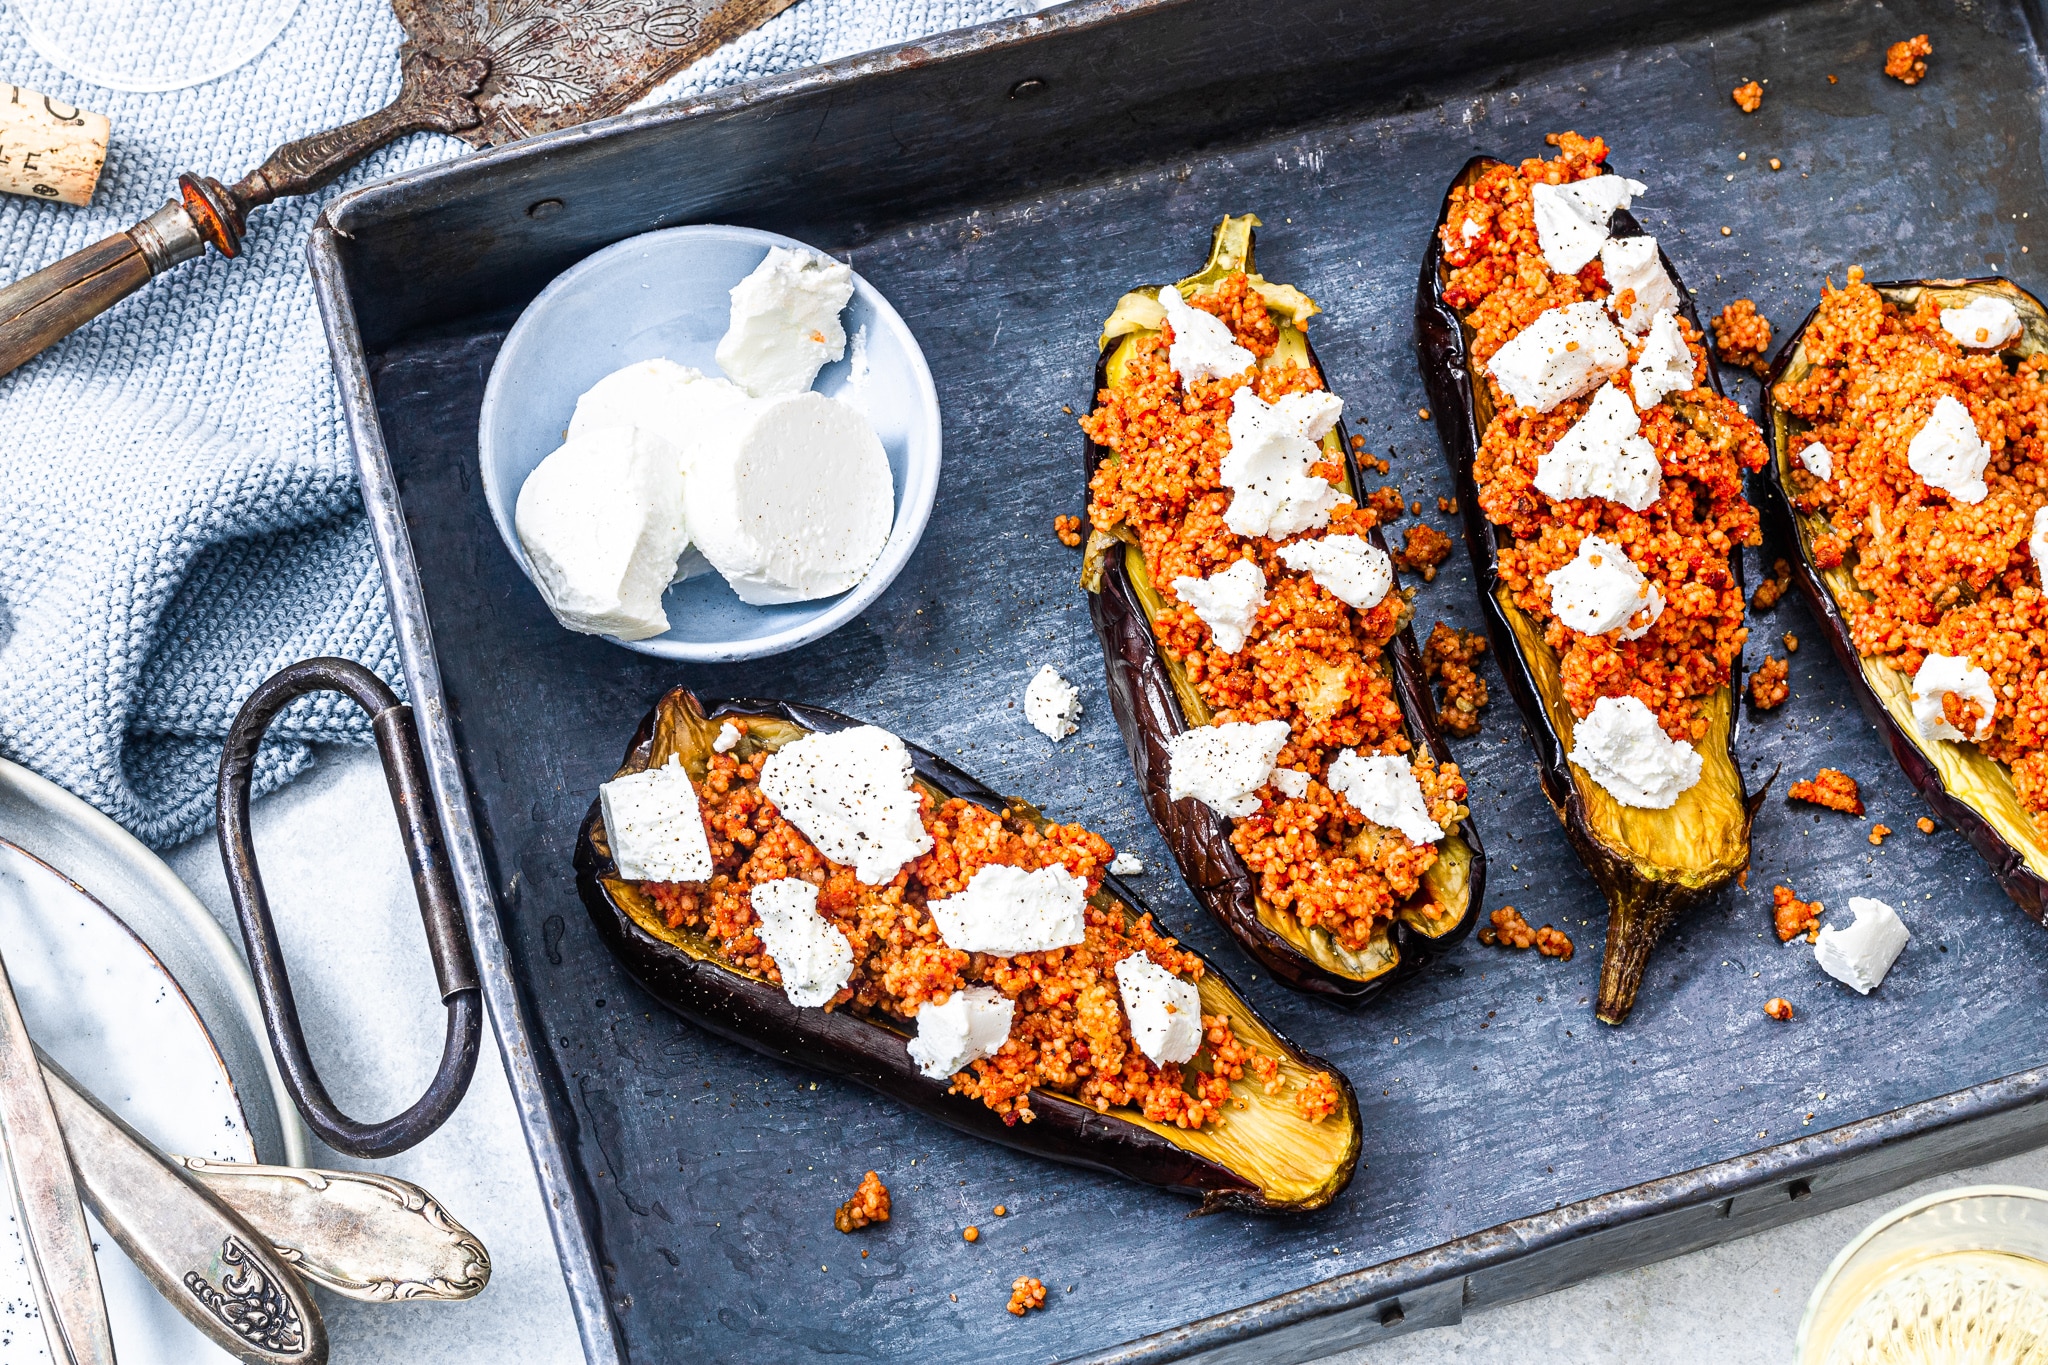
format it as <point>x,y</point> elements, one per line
<point>49,150</point>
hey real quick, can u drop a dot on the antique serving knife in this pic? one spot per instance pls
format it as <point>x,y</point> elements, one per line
<point>205,1259</point>
<point>357,1233</point>
<point>53,1227</point>
<point>487,73</point>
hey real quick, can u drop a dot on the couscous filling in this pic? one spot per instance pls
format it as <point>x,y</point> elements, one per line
<point>1069,1034</point>
<point>1308,658</point>
<point>1684,542</point>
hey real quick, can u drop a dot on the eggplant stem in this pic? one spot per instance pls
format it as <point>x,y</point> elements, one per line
<point>1637,916</point>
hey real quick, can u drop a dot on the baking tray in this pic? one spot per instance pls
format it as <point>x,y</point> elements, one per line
<point>1003,186</point>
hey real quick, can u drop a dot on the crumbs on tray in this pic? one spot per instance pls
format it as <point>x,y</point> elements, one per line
<point>1831,788</point>
<point>1768,687</point>
<point>1791,916</point>
<point>869,1205</point>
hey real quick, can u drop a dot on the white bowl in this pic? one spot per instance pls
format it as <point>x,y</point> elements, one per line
<point>664,294</point>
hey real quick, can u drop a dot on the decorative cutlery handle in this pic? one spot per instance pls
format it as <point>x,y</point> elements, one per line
<point>212,1266</point>
<point>361,1235</point>
<point>434,97</point>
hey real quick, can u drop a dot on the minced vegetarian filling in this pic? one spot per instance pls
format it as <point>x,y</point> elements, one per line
<point>1683,542</point>
<point>1069,1034</point>
<point>1939,575</point>
<point>1308,659</point>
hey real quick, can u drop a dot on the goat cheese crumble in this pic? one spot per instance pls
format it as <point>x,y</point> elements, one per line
<point>649,394</point>
<point>1005,911</point>
<point>1939,675</point>
<point>1947,453</point>
<point>1603,590</point>
<point>1202,346</point>
<point>1816,461</point>
<point>1986,324</point>
<point>1165,1011</point>
<point>1604,455</point>
<point>966,1026</point>
<point>1352,569</point>
<point>850,794</point>
<point>1052,704</point>
<point>654,827</point>
<point>1272,446</point>
<point>790,497</point>
<point>727,739</point>
<point>602,523</point>
<point>1665,365</point>
<point>1564,353</point>
<point>1383,789</point>
<point>1127,865</point>
<point>1228,602</point>
<point>810,952</point>
<point>1621,747</point>
<point>2037,545</point>
<point>1633,263</point>
<point>1860,955</point>
<point>1572,220</point>
<point>1291,783</point>
<point>1223,766</point>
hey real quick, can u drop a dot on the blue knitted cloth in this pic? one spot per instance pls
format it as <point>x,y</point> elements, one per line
<point>179,514</point>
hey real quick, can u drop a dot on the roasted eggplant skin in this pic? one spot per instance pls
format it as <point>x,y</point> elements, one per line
<point>1994,823</point>
<point>1642,901</point>
<point>756,1014</point>
<point>1149,713</point>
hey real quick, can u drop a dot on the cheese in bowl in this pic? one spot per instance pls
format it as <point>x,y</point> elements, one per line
<point>708,443</point>
<point>783,492</point>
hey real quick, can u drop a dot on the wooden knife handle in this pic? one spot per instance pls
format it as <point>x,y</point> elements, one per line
<point>44,308</point>
<point>57,300</point>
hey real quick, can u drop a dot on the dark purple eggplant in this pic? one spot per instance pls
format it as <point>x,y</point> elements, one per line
<point>1154,701</point>
<point>1967,788</point>
<point>1651,865</point>
<point>1264,1158</point>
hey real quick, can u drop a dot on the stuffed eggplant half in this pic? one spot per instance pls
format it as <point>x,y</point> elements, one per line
<point>1261,663</point>
<point>1599,468</point>
<point>1906,425</point>
<point>822,892</point>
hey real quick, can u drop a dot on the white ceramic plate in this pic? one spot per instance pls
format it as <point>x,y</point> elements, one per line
<point>125,876</point>
<point>100,1002</point>
<point>664,294</point>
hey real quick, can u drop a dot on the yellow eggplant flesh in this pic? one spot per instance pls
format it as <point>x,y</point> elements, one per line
<point>1968,788</point>
<point>1263,1157</point>
<point>1309,958</point>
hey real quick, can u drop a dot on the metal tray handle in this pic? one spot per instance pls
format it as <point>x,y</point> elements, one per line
<point>433,882</point>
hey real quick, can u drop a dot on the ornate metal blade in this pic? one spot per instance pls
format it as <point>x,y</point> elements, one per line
<point>554,63</point>
<point>46,1200</point>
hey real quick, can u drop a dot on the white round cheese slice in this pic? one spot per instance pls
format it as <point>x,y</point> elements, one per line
<point>790,497</point>
<point>601,521</point>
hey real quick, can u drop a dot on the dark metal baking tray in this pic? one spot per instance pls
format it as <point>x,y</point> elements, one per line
<point>1003,186</point>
